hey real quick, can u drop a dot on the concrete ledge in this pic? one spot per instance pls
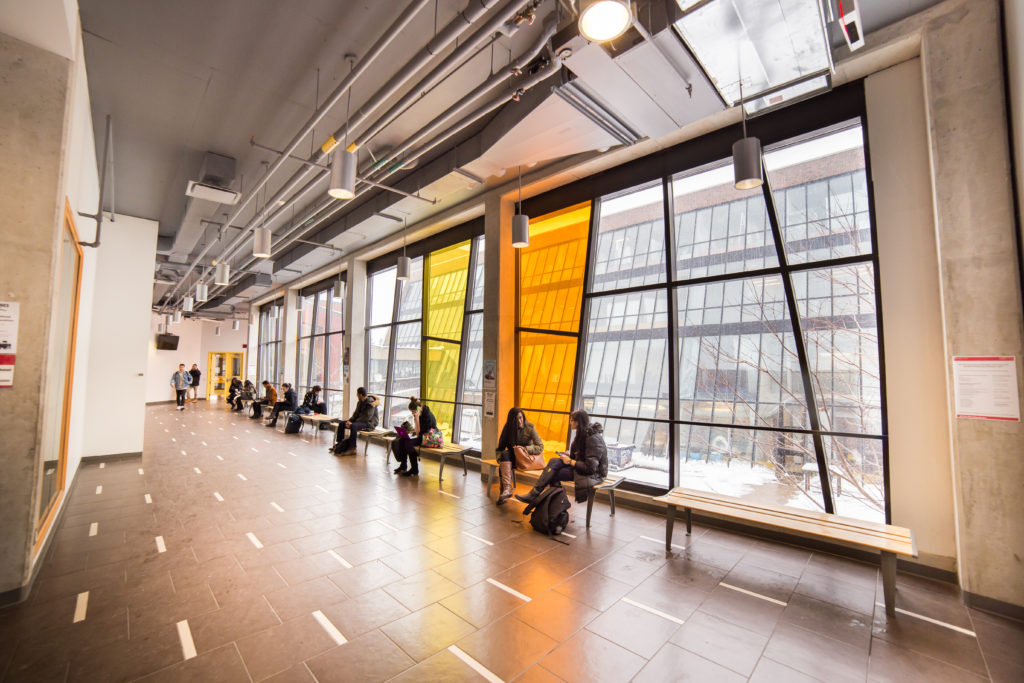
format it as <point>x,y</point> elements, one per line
<point>87,459</point>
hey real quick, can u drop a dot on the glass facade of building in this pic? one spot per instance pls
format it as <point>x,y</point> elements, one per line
<point>320,345</point>
<point>270,343</point>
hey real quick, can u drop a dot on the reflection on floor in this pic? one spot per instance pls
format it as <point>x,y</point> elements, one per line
<point>235,552</point>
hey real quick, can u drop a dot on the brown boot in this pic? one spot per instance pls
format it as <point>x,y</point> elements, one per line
<point>505,473</point>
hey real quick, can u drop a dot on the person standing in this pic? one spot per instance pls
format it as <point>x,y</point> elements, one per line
<point>181,381</point>
<point>195,383</point>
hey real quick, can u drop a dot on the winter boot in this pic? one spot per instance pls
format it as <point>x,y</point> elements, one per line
<point>542,483</point>
<point>505,472</point>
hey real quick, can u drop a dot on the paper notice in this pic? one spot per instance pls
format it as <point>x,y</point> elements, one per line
<point>986,387</point>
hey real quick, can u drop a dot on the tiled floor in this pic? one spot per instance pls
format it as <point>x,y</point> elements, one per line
<point>235,552</point>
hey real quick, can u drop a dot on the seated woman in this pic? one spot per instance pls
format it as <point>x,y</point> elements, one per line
<point>233,389</point>
<point>517,433</point>
<point>312,401</point>
<point>586,464</point>
<point>247,393</point>
<point>405,448</point>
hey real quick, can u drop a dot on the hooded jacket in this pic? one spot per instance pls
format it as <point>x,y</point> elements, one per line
<point>591,456</point>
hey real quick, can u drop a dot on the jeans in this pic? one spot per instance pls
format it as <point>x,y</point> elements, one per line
<point>405,451</point>
<point>180,396</point>
<point>279,406</point>
<point>349,442</point>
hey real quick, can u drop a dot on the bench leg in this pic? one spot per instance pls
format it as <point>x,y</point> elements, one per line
<point>611,499</point>
<point>591,494</point>
<point>670,519</point>
<point>440,470</point>
<point>889,582</point>
<point>465,470</point>
<point>689,520</point>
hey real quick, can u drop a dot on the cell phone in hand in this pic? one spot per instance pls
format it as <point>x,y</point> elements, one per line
<point>565,453</point>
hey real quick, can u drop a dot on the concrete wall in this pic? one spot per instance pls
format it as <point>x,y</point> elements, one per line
<point>921,481</point>
<point>120,330</point>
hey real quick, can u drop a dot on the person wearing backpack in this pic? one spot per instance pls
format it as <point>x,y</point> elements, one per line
<point>364,418</point>
<point>405,447</point>
<point>586,463</point>
<point>518,435</point>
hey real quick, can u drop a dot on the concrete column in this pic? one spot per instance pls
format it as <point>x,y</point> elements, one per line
<point>34,85</point>
<point>499,313</point>
<point>289,333</point>
<point>355,331</point>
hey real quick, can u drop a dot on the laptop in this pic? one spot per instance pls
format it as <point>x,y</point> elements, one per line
<point>402,433</point>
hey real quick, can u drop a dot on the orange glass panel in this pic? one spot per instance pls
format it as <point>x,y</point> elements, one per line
<point>546,366</point>
<point>446,277</point>
<point>551,270</point>
<point>552,429</point>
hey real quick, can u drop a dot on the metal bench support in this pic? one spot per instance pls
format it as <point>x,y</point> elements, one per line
<point>889,582</point>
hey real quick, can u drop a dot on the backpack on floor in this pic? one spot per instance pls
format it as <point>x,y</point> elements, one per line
<point>550,512</point>
<point>255,410</point>
<point>294,424</point>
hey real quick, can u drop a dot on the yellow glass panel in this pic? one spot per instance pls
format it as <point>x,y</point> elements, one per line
<point>441,372</point>
<point>552,429</point>
<point>551,270</point>
<point>445,415</point>
<point>446,277</point>
<point>546,366</point>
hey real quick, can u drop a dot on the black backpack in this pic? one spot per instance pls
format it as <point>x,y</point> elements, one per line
<point>294,424</point>
<point>255,410</point>
<point>550,511</point>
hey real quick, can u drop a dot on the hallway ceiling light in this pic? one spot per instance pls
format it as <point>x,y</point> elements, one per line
<point>343,174</point>
<point>234,324</point>
<point>261,242</point>
<point>746,155</point>
<point>520,221</point>
<point>222,274</point>
<point>168,319</point>
<point>177,316</point>
<point>339,289</point>
<point>187,304</point>
<point>602,20</point>
<point>202,291</point>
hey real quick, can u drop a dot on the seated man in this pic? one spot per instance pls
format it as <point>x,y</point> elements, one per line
<point>364,418</point>
<point>290,403</point>
<point>312,401</point>
<point>269,399</point>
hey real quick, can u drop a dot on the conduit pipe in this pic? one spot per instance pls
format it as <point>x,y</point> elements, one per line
<point>473,11</point>
<point>389,35</point>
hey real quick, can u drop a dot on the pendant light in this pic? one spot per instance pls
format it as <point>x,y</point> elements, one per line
<point>222,274</point>
<point>187,304</point>
<point>168,319</point>
<point>604,19</point>
<point>343,174</point>
<point>339,288</point>
<point>520,221</point>
<point>216,331</point>
<point>177,316</point>
<point>404,262</point>
<point>202,291</point>
<point>746,155</point>
<point>261,237</point>
<point>234,324</point>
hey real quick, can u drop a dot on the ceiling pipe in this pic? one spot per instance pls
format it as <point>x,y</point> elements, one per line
<point>473,11</point>
<point>360,67</point>
<point>108,148</point>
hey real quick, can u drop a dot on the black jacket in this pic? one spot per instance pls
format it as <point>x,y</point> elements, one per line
<point>196,374</point>
<point>427,421</point>
<point>312,401</point>
<point>366,412</point>
<point>591,456</point>
<point>292,399</point>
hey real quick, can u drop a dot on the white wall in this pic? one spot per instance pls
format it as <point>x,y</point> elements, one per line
<point>120,331</point>
<point>160,365</point>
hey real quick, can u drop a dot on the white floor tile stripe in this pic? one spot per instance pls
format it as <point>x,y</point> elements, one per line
<point>94,528</point>
<point>450,495</point>
<point>254,450</point>
<point>234,437</point>
<point>188,647</point>
<point>252,537</point>
<point>752,593</point>
<point>167,430</point>
<point>242,477</point>
<point>279,465</point>
<point>951,627</point>
<point>510,591</point>
<point>174,440</point>
<point>102,465</point>
<point>341,560</point>
<point>203,442</point>
<point>277,507</point>
<point>386,525</point>
<point>266,440</point>
<point>568,534</point>
<point>81,606</point>
<point>99,489</point>
<point>292,454</point>
<point>476,538</point>
<point>662,541</point>
<point>321,488</point>
<point>247,431</point>
<point>475,665</point>
<point>197,470</point>
<point>161,547</point>
<point>658,612</point>
<point>142,471</point>
<point>220,498</point>
<point>331,629</point>
<point>149,499</point>
<point>184,453</point>
<point>220,458</point>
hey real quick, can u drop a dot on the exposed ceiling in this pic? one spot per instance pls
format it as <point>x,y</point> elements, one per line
<point>184,78</point>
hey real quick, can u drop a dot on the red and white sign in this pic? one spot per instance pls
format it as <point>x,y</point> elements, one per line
<point>8,341</point>
<point>986,388</point>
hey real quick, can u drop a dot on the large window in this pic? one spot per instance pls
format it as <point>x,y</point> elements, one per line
<point>321,344</point>
<point>425,338</point>
<point>269,351</point>
<point>730,339</point>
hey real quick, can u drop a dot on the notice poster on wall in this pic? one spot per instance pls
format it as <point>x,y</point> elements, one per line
<point>490,375</point>
<point>986,387</point>
<point>488,404</point>
<point>8,341</point>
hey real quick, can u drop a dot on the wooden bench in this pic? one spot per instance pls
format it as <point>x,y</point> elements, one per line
<point>379,435</point>
<point>316,420</point>
<point>889,540</point>
<point>449,449</point>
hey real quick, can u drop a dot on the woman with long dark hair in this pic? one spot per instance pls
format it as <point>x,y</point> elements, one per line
<point>517,433</point>
<point>586,463</point>
<point>405,448</point>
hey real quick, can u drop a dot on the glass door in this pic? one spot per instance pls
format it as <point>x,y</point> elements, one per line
<point>222,367</point>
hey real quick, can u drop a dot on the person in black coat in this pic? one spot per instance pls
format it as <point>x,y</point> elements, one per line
<point>405,448</point>
<point>586,463</point>
<point>290,403</point>
<point>312,401</point>
<point>233,389</point>
<point>246,393</point>
<point>364,418</point>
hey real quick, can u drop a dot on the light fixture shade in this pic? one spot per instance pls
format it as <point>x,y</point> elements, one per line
<point>604,19</point>
<point>343,174</point>
<point>168,319</point>
<point>216,331</point>
<point>187,304</point>
<point>234,324</point>
<point>746,163</point>
<point>520,231</point>
<point>222,274</point>
<point>202,291</point>
<point>177,316</point>
<point>404,267</point>
<point>261,242</point>
<point>339,290</point>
